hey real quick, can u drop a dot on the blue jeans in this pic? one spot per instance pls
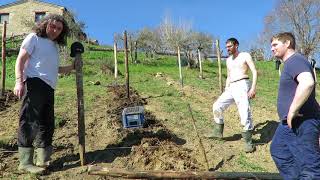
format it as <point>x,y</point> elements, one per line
<point>296,151</point>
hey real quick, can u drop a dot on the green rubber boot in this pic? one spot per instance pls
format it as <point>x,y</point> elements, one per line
<point>43,156</point>
<point>26,164</point>
<point>247,137</point>
<point>217,132</point>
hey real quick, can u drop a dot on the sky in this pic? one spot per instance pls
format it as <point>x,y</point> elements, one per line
<point>242,19</point>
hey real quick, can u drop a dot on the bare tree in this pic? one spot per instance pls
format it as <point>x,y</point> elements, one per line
<point>133,45</point>
<point>175,37</point>
<point>149,41</point>
<point>202,42</point>
<point>188,46</point>
<point>300,17</point>
<point>118,38</point>
<point>257,54</point>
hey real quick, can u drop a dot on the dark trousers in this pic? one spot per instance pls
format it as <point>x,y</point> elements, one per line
<point>36,123</point>
<point>296,151</point>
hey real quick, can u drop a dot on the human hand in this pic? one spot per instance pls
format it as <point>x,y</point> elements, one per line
<point>19,89</point>
<point>252,93</point>
<point>291,116</point>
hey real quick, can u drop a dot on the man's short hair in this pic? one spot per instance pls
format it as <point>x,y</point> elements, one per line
<point>233,41</point>
<point>285,36</point>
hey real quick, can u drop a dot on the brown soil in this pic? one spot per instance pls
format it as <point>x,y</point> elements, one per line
<point>7,99</point>
<point>153,147</point>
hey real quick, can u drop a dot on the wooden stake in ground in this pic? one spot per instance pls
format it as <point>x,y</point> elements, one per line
<point>200,64</point>
<point>219,65</point>
<point>126,62</point>
<point>180,69</point>
<point>3,80</point>
<point>200,141</point>
<point>115,57</point>
<point>76,51</point>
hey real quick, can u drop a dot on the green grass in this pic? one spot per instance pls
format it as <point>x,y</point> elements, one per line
<point>249,166</point>
<point>60,121</point>
<point>142,78</point>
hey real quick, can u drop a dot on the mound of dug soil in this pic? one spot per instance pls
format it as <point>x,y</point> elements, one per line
<point>153,154</point>
<point>153,147</point>
<point>7,99</point>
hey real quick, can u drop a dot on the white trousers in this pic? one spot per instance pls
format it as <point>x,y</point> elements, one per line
<point>236,92</point>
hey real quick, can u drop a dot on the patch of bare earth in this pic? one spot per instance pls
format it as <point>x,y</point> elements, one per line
<point>9,113</point>
<point>153,147</point>
<point>223,155</point>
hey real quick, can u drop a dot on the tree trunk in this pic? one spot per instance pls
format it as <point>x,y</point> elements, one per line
<point>188,59</point>
<point>180,69</point>
<point>131,51</point>
<point>200,64</point>
<point>135,51</point>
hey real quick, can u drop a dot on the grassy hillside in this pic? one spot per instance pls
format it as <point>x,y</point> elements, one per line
<point>166,101</point>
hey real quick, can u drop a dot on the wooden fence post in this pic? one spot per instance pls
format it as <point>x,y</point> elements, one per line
<point>3,80</point>
<point>115,57</point>
<point>76,50</point>
<point>126,62</point>
<point>180,69</point>
<point>219,65</point>
<point>200,64</point>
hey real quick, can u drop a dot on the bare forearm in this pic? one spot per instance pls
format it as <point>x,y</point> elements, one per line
<point>23,56</point>
<point>254,80</point>
<point>19,71</point>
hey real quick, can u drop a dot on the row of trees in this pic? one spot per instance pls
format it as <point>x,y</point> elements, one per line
<point>168,38</point>
<point>300,17</point>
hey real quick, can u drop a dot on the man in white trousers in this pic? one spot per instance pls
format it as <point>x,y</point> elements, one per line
<point>238,90</point>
